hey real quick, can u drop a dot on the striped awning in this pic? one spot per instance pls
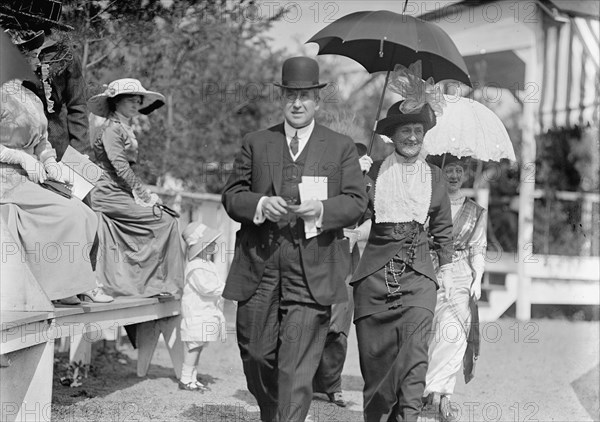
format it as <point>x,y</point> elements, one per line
<point>570,91</point>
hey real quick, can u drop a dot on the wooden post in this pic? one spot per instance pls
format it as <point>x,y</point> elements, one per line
<point>587,225</point>
<point>527,179</point>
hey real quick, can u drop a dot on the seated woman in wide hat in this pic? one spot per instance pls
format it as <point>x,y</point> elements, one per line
<point>140,252</point>
<point>395,283</point>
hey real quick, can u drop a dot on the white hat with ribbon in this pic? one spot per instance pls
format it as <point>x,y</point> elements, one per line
<point>151,100</point>
<point>198,236</point>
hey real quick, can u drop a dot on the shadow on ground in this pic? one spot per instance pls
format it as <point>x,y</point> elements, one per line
<point>215,412</point>
<point>586,389</point>
<point>111,371</point>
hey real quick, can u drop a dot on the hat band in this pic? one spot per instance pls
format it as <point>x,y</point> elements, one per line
<point>299,84</point>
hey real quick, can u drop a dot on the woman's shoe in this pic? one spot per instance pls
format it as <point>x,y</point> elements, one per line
<point>96,295</point>
<point>71,300</point>
<point>448,410</point>
<point>190,386</point>
<point>201,386</point>
<point>337,398</point>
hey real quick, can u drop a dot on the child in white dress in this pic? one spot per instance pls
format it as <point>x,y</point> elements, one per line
<point>201,304</point>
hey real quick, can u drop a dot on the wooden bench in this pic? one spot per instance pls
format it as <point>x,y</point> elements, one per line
<point>30,325</point>
<point>27,346</point>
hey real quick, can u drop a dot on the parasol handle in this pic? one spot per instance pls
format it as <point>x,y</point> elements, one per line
<point>404,8</point>
<point>370,147</point>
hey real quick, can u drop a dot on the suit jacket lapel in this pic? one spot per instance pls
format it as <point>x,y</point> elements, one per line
<point>316,151</point>
<point>275,156</point>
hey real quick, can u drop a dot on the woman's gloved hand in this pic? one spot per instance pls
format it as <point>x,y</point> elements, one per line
<point>146,198</point>
<point>446,280</point>
<point>476,287</point>
<point>35,170</point>
<point>365,163</point>
<point>56,172</point>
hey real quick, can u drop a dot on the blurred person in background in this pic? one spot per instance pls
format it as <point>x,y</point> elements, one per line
<point>452,321</point>
<point>328,379</point>
<point>35,28</point>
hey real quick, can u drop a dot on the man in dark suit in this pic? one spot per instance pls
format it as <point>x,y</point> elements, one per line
<point>291,257</point>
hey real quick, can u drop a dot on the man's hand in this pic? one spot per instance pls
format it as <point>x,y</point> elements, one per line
<point>365,163</point>
<point>273,208</point>
<point>309,209</point>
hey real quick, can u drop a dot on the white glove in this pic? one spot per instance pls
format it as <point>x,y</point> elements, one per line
<point>365,163</point>
<point>446,280</point>
<point>35,170</point>
<point>146,199</point>
<point>56,172</point>
<point>476,287</point>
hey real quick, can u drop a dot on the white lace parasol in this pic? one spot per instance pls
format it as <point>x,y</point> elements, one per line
<point>467,128</point>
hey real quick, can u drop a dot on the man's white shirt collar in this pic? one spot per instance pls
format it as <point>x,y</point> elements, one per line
<point>303,136</point>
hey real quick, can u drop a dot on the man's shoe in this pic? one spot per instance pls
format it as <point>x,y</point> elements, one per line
<point>337,398</point>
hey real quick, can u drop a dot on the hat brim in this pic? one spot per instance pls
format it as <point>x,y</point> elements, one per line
<point>387,125</point>
<point>32,43</point>
<point>195,249</point>
<point>301,86</point>
<point>98,104</point>
<point>33,21</point>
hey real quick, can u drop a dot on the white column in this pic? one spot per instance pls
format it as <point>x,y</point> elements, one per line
<point>527,180</point>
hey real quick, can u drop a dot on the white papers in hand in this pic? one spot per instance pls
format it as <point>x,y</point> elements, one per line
<point>312,187</point>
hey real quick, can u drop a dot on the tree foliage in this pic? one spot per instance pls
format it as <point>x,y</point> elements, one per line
<point>209,58</point>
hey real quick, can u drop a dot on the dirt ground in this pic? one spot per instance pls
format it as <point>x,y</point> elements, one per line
<point>543,370</point>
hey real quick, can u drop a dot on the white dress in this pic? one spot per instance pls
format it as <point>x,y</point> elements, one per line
<point>202,304</point>
<point>452,318</point>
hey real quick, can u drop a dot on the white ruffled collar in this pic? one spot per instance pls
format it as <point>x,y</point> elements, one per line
<point>403,191</point>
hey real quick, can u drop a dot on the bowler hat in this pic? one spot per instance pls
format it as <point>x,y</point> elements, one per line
<point>395,117</point>
<point>31,14</point>
<point>300,73</point>
<point>198,236</point>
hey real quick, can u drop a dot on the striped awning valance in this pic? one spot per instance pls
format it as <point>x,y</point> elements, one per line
<point>570,91</point>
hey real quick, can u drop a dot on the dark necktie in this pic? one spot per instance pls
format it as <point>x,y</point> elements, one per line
<point>294,144</point>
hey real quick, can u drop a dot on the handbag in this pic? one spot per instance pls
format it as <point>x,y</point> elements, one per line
<point>60,188</point>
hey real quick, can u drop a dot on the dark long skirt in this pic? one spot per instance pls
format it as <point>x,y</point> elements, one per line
<point>393,344</point>
<point>140,251</point>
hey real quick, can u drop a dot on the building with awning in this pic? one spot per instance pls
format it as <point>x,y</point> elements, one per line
<point>547,53</point>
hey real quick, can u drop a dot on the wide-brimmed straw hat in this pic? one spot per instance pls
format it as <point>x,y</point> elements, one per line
<point>395,117</point>
<point>198,236</point>
<point>300,73</point>
<point>151,100</point>
<point>32,14</point>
